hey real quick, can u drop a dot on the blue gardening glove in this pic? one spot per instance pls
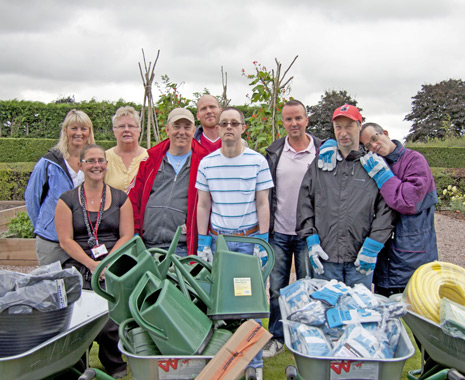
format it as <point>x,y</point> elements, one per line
<point>315,252</point>
<point>376,168</point>
<point>328,155</point>
<point>337,317</point>
<point>366,259</point>
<point>331,292</point>
<point>259,251</point>
<point>204,250</point>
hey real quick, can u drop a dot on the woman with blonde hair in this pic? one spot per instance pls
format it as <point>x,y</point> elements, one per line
<point>125,157</point>
<point>55,173</point>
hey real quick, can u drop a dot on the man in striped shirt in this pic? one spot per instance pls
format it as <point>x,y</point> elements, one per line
<point>233,184</point>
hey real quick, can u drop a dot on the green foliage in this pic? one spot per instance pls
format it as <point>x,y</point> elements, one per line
<point>30,150</point>
<point>20,226</point>
<point>13,180</point>
<point>170,98</point>
<point>442,157</point>
<point>438,111</point>
<point>320,115</point>
<point>19,118</point>
<point>265,124</point>
<point>448,142</point>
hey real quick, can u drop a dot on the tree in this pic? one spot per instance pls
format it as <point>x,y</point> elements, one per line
<point>438,110</point>
<point>320,115</point>
<point>65,100</point>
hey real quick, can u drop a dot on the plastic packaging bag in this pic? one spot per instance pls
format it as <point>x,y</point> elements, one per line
<point>356,342</point>
<point>308,340</point>
<point>295,296</point>
<point>46,288</point>
<point>312,314</point>
<point>358,297</point>
<point>452,318</point>
<point>337,317</point>
<point>8,281</point>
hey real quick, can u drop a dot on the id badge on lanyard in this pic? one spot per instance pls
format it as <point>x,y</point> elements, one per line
<point>99,250</point>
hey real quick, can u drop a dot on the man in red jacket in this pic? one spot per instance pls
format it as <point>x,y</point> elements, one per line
<point>163,193</point>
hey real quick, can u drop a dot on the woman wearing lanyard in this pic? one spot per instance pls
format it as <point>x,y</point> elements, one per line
<point>92,221</point>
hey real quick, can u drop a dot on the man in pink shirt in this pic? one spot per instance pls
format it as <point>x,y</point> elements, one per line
<point>288,159</point>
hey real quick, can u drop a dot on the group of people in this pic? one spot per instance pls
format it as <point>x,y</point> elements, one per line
<point>342,209</point>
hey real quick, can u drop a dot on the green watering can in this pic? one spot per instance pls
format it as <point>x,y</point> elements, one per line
<point>198,268</point>
<point>176,325</point>
<point>238,281</point>
<point>136,340</point>
<point>124,268</point>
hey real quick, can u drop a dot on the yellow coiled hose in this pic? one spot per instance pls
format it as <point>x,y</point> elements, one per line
<point>431,282</point>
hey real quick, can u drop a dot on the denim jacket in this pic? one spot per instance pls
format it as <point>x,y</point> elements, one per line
<point>49,179</point>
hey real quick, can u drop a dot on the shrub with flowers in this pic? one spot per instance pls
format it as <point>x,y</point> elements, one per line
<point>170,98</point>
<point>454,198</point>
<point>268,96</point>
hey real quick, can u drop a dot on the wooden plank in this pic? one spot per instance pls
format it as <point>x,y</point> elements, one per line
<point>6,215</point>
<point>18,252</point>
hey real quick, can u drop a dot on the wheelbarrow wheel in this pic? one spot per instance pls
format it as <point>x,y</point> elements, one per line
<point>291,372</point>
<point>94,373</point>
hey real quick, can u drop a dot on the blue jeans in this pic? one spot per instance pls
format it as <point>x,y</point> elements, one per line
<point>247,249</point>
<point>181,250</point>
<point>284,247</point>
<point>345,273</point>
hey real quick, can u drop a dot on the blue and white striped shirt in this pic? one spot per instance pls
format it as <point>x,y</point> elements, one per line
<point>232,183</point>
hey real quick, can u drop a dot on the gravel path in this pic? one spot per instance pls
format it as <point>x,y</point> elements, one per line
<point>450,234</point>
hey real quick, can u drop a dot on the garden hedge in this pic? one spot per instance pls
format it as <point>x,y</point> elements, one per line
<point>30,150</point>
<point>21,118</point>
<point>442,157</point>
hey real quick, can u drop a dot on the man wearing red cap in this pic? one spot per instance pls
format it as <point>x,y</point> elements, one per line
<point>340,213</point>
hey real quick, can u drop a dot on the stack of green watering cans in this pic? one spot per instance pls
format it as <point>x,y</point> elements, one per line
<point>167,305</point>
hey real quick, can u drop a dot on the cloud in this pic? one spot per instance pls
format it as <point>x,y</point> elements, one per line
<point>380,52</point>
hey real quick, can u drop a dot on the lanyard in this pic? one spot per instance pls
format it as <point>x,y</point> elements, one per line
<point>92,241</point>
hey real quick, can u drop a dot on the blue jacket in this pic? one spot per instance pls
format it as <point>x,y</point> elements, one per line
<point>412,193</point>
<point>49,179</point>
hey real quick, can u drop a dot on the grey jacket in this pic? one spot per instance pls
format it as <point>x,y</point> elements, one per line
<point>343,207</point>
<point>167,205</point>
<point>273,154</point>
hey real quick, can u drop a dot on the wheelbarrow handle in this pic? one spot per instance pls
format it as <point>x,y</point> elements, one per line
<point>135,297</point>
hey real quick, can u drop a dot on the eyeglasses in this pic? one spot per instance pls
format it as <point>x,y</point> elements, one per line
<point>93,161</point>
<point>129,126</point>
<point>373,139</point>
<point>234,124</point>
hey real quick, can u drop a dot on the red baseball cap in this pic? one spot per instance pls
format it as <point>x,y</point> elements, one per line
<point>349,111</point>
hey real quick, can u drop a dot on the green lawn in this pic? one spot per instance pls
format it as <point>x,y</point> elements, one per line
<point>274,368</point>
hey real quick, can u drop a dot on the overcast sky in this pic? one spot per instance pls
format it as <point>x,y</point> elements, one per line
<point>381,52</point>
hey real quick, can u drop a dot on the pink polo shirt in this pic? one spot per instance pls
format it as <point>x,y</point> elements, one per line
<point>291,169</point>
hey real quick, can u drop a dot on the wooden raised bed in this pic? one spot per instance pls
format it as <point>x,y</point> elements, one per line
<point>21,252</point>
<point>10,211</point>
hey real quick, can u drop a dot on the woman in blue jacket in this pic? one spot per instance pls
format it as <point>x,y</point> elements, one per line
<point>55,173</point>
